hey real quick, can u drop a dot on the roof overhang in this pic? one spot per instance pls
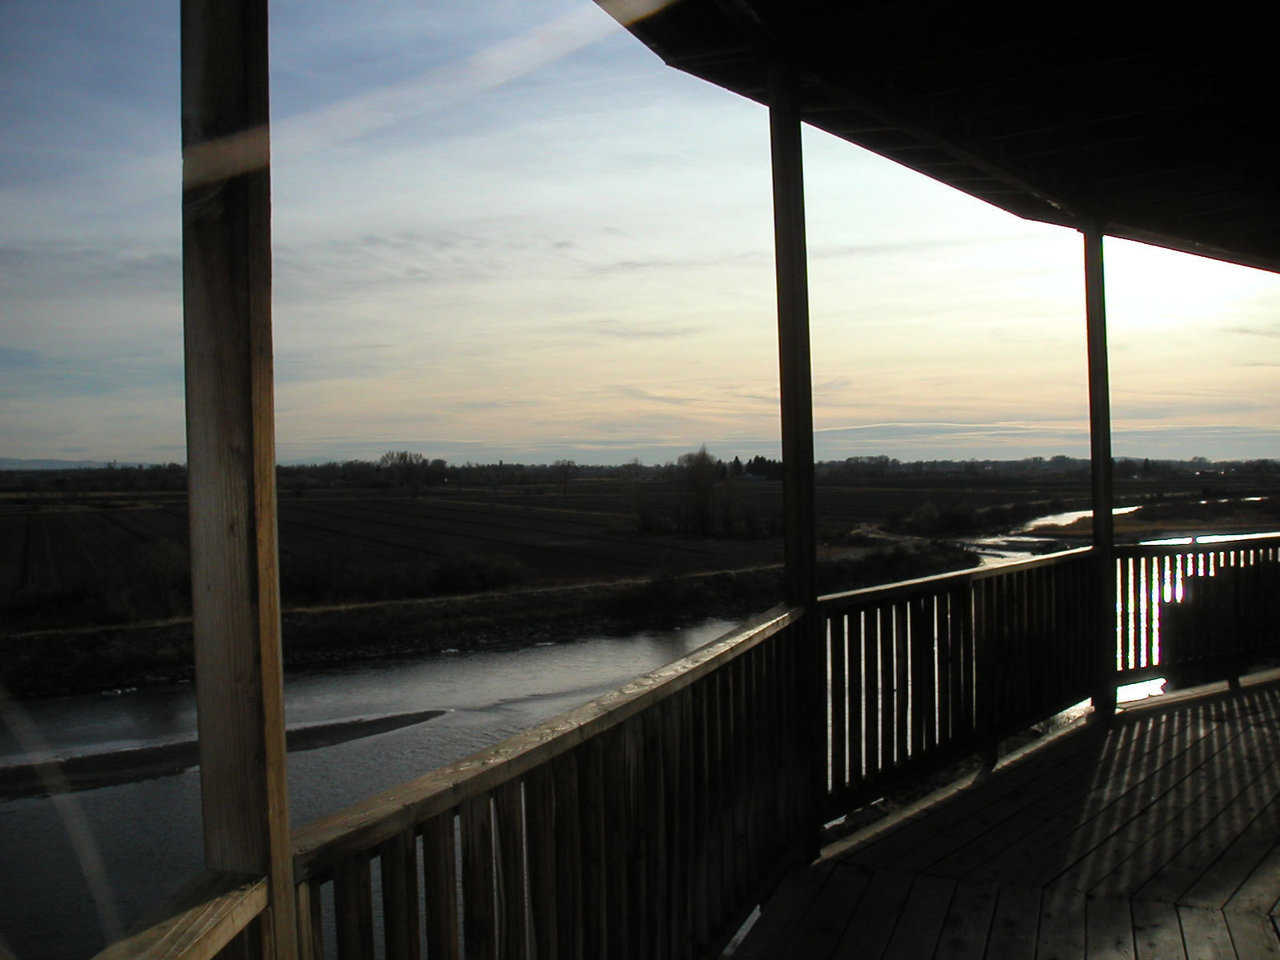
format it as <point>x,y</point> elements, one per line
<point>1136,123</point>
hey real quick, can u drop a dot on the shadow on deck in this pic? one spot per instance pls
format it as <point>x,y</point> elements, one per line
<point>1158,837</point>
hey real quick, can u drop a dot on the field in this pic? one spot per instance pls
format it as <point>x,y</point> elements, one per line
<point>85,558</point>
<point>73,561</point>
<point>94,588</point>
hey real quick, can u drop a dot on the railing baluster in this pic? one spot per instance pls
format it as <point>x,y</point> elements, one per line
<point>839,701</point>
<point>440,883</point>
<point>544,882</point>
<point>653,910</point>
<point>591,790</point>
<point>570,828</point>
<point>509,862</point>
<point>353,908</point>
<point>679,803</point>
<point>947,667</point>
<point>685,870</point>
<point>310,921</point>
<point>871,695</point>
<point>480,917</point>
<point>855,667</point>
<point>399,857</point>
<point>743,746</point>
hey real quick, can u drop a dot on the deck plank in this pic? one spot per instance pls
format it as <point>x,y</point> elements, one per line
<point>1253,936</point>
<point>1261,890</point>
<point>1015,925</point>
<point>922,918</point>
<point>1228,873</point>
<point>1181,872</point>
<point>1035,833</point>
<point>1062,926</point>
<point>1154,834</point>
<point>1075,839</point>
<point>968,922</point>
<point>873,922</point>
<point>831,913</point>
<point>785,911</point>
<point>1109,929</point>
<point>1156,931</point>
<point>982,805</point>
<point>1159,838</point>
<point>1205,934</point>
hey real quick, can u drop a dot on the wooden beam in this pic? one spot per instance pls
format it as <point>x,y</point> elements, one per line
<point>794,373</point>
<point>796,387</point>
<point>1104,698</point>
<point>226,259</point>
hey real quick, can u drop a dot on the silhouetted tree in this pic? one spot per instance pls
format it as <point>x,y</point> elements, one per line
<point>563,470</point>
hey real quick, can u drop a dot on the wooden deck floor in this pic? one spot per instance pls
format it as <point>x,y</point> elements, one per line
<point>1157,838</point>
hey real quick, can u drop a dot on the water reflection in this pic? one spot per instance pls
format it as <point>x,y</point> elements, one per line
<point>148,832</point>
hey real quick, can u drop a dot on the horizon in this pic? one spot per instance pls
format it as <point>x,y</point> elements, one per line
<point>9,464</point>
<point>509,232</point>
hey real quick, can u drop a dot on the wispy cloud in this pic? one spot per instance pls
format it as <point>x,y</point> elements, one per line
<point>648,396</point>
<point>1272,331</point>
<point>619,330</point>
<point>692,262</point>
<point>12,359</point>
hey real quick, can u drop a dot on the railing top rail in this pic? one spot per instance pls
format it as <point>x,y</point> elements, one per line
<point>1202,543</point>
<point>937,580</point>
<point>369,822</point>
<point>208,915</point>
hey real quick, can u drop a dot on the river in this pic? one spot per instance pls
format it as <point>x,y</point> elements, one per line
<point>1025,543</point>
<point>75,866</point>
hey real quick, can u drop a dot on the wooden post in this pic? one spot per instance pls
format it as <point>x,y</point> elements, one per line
<point>794,375</point>
<point>1104,697</point>
<point>226,260</point>
<point>796,386</point>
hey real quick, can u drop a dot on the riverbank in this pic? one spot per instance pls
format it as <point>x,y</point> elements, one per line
<point>92,659</point>
<point>1176,518</point>
<point>87,771</point>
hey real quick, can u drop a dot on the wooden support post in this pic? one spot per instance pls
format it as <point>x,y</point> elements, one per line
<point>1104,696</point>
<point>796,386</point>
<point>226,272</point>
<point>795,377</point>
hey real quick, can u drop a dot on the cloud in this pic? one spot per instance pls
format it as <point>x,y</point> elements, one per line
<point>639,394</point>
<point>13,359</point>
<point>666,264</point>
<point>60,270</point>
<point>770,399</point>
<point>1272,331</point>
<point>619,330</point>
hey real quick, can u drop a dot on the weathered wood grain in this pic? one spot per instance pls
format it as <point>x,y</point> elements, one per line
<point>206,917</point>
<point>1156,931</point>
<point>1205,934</point>
<point>231,462</point>
<point>440,884</point>
<point>353,909</point>
<point>480,916</point>
<point>967,923</point>
<point>920,925</point>
<point>399,858</point>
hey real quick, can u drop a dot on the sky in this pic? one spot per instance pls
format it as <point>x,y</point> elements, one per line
<point>505,230</point>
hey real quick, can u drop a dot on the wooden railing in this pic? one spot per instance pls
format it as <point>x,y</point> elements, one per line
<point>216,915</point>
<point>1196,611</point>
<point>922,670</point>
<point>648,822</point>
<point>651,820</point>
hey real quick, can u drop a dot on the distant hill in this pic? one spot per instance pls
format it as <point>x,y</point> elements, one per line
<point>9,463</point>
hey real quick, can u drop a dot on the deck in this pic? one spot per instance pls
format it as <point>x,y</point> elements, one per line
<point>1158,837</point>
